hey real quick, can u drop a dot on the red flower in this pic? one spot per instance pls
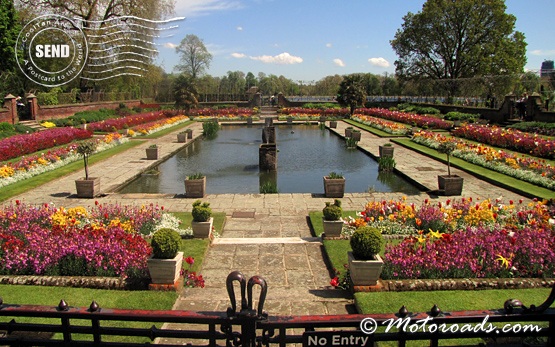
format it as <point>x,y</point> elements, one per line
<point>17,202</point>
<point>334,281</point>
<point>190,260</point>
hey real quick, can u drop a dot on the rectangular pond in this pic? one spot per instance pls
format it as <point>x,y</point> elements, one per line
<point>306,153</point>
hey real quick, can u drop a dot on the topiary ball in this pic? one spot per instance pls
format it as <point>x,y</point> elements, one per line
<point>165,243</point>
<point>201,211</point>
<point>332,212</point>
<point>366,242</point>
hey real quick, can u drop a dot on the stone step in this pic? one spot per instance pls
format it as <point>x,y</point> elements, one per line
<point>266,240</point>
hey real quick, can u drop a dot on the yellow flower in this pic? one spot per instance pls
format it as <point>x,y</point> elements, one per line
<point>504,261</point>
<point>435,234</point>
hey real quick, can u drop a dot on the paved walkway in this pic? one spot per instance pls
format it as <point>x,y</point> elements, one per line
<point>276,243</point>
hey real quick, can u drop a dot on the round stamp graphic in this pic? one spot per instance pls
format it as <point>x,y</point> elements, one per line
<point>51,50</point>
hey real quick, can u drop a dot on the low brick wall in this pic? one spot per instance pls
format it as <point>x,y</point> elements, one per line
<point>5,115</point>
<point>67,281</point>
<point>64,111</point>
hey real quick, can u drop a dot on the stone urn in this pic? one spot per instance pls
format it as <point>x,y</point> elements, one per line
<point>202,230</point>
<point>386,151</point>
<point>165,271</point>
<point>332,228</point>
<point>365,272</point>
<point>450,185</point>
<point>334,187</point>
<point>88,188</point>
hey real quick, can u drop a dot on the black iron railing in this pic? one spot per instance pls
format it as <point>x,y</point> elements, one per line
<point>245,325</point>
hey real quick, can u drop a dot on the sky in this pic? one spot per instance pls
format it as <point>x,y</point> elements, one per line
<point>307,40</point>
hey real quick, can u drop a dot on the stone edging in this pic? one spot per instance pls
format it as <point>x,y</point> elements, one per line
<point>456,284</point>
<point>67,281</point>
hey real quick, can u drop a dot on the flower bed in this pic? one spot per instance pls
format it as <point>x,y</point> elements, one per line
<point>103,241</point>
<point>153,127</point>
<point>115,124</point>
<point>232,113</point>
<point>383,125</point>
<point>466,238</point>
<point>19,145</point>
<point>421,121</point>
<point>329,112</point>
<point>509,138</point>
<point>36,164</point>
<point>529,169</point>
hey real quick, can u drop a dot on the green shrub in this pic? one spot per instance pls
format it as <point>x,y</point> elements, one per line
<point>386,163</point>
<point>332,212</point>
<point>269,188</point>
<point>195,176</point>
<point>366,242</point>
<point>5,126</point>
<point>460,116</point>
<point>335,175</point>
<point>165,243</point>
<point>201,211</point>
<point>210,128</point>
<point>406,107</point>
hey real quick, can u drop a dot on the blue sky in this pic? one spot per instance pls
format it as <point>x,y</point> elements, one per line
<point>306,40</point>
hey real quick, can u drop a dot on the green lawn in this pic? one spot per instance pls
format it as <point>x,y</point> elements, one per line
<point>372,130</point>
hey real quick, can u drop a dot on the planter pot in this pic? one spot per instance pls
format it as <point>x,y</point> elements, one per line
<point>165,271</point>
<point>333,124</point>
<point>249,120</point>
<point>332,228</point>
<point>386,151</point>
<point>348,132</point>
<point>195,188</point>
<point>152,153</point>
<point>202,230</point>
<point>356,135</point>
<point>88,188</point>
<point>334,187</point>
<point>182,138</point>
<point>190,135</point>
<point>289,120</point>
<point>450,185</point>
<point>365,272</point>
<point>322,119</point>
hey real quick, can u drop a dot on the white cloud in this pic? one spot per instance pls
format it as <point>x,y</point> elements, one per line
<point>381,62</point>
<point>543,52</point>
<point>329,45</point>
<point>280,59</point>
<point>192,8</point>
<point>238,55</point>
<point>239,28</point>
<point>170,45</point>
<point>338,62</point>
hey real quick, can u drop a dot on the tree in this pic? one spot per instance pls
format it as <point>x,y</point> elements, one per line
<point>9,29</point>
<point>450,40</point>
<point>195,58</point>
<point>185,92</point>
<point>352,92</point>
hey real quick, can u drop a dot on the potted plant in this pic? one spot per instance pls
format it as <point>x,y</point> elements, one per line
<point>386,150</point>
<point>334,185</point>
<point>165,264</point>
<point>195,186</point>
<point>152,152</point>
<point>189,133</point>
<point>289,120</point>
<point>333,124</point>
<point>365,263</point>
<point>202,220</point>
<point>348,131</point>
<point>87,187</point>
<point>331,218</point>
<point>356,134</point>
<point>182,137</point>
<point>449,184</point>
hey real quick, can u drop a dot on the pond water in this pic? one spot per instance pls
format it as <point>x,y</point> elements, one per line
<point>306,154</point>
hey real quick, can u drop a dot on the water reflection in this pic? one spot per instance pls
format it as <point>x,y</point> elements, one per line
<point>305,154</point>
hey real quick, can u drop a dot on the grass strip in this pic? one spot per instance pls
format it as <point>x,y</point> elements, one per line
<point>167,131</point>
<point>521,187</point>
<point>21,187</point>
<point>377,132</point>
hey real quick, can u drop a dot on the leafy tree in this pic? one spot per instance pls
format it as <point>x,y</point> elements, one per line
<point>352,92</point>
<point>250,81</point>
<point>450,40</point>
<point>195,58</point>
<point>9,29</point>
<point>185,92</point>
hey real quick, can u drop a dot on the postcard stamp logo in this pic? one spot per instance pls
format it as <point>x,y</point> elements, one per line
<point>51,50</point>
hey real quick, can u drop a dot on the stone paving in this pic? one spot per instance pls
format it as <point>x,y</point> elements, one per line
<point>276,243</point>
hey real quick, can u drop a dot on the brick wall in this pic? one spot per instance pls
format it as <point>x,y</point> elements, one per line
<point>64,111</point>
